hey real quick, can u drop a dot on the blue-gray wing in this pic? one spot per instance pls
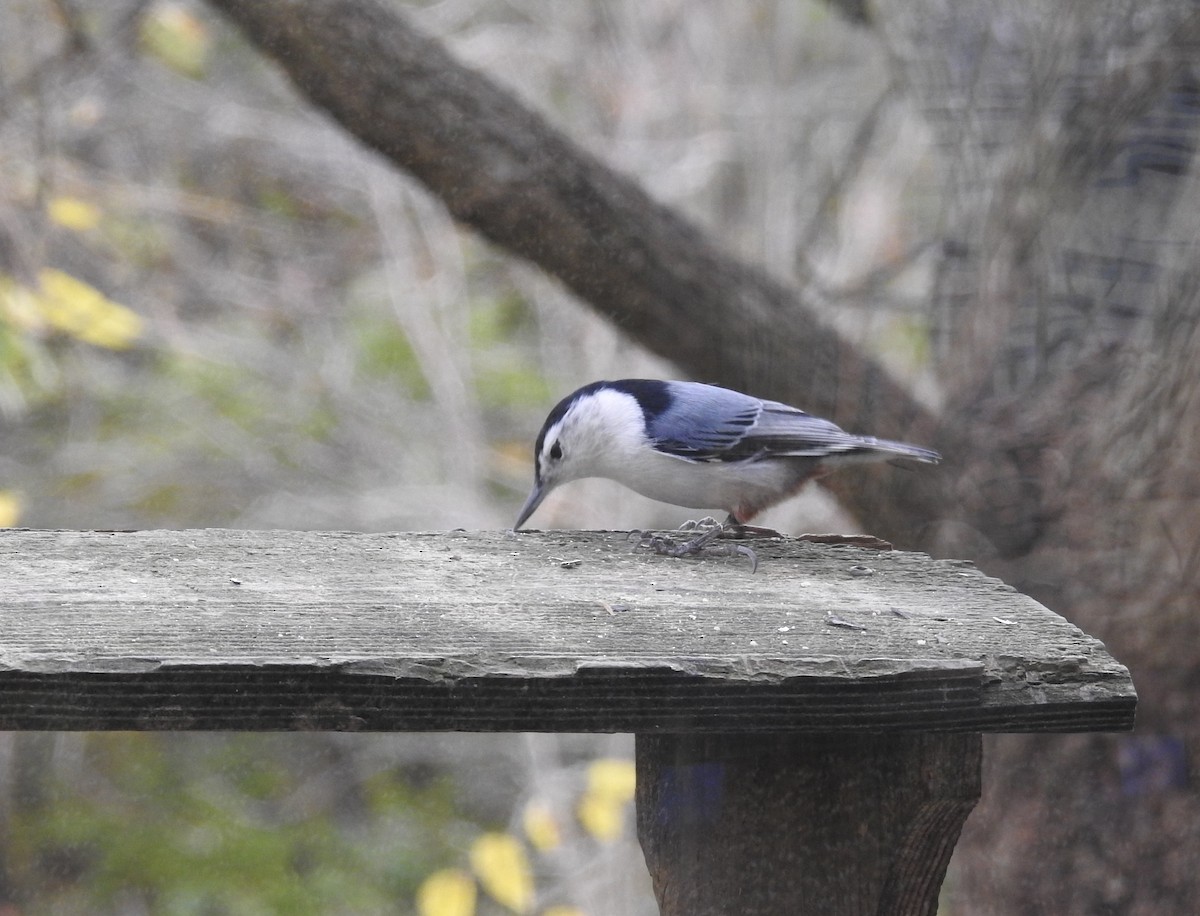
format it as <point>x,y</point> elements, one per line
<point>707,423</point>
<point>702,422</point>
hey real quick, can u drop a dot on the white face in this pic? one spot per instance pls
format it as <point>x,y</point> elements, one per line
<point>596,438</point>
<point>593,439</point>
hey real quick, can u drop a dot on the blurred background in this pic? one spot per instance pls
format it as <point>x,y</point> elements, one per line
<point>219,309</point>
<point>314,343</point>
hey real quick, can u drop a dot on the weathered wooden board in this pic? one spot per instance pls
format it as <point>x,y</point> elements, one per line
<point>557,631</point>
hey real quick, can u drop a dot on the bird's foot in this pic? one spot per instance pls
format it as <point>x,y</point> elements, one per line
<point>708,523</point>
<point>700,546</point>
<point>730,528</point>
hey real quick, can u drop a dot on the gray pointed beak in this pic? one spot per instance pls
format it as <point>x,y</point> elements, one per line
<point>535,499</point>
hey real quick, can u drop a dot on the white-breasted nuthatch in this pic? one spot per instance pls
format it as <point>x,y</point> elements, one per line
<point>695,445</point>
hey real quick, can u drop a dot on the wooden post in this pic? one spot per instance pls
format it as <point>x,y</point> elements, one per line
<point>838,825</point>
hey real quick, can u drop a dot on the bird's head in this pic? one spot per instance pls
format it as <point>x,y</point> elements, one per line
<point>588,434</point>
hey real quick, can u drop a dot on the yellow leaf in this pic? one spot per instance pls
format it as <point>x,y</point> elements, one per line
<point>10,508</point>
<point>610,787</point>
<point>174,35</point>
<point>82,311</point>
<point>541,827</point>
<point>613,779</point>
<point>500,862</point>
<point>449,892</point>
<point>73,213</point>
<point>19,305</point>
<point>601,816</point>
<point>562,911</point>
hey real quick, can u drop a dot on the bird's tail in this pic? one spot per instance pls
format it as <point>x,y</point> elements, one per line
<point>868,448</point>
<point>905,450</point>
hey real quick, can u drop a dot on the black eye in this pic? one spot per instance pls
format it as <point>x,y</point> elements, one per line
<point>556,451</point>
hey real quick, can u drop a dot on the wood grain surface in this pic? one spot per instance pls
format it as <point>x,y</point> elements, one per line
<point>540,631</point>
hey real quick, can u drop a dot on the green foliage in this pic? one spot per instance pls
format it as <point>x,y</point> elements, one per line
<point>504,318</point>
<point>135,242</point>
<point>514,385</point>
<point>17,372</point>
<point>384,351</point>
<point>499,331</point>
<point>230,390</point>
<point>906,340</point>
<point>243,839</point>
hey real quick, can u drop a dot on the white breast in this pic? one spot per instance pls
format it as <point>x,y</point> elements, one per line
<point>709,484</point>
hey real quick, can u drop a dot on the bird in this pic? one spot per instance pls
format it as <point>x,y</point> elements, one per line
<point>695,445</point>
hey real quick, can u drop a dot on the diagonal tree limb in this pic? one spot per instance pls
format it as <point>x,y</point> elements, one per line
<point>503,170</point>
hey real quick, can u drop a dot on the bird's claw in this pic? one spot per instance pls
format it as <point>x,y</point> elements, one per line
<point>701,546</point>
<point>739,550</point>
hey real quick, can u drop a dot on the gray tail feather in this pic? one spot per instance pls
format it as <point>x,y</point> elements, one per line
<point>904,450</point>
<point>886,449</point>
